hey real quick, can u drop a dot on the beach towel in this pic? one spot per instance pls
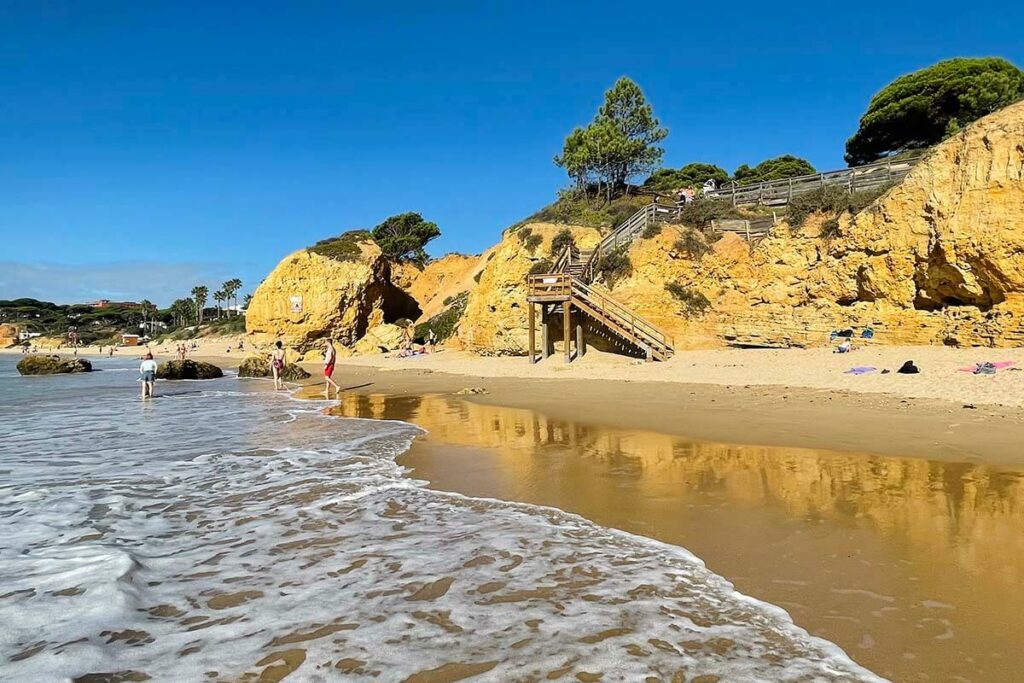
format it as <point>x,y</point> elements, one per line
<point>860,370</point>
<point>998,365</point>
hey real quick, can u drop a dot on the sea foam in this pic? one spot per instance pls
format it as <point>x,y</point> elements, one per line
<point>226,532</point>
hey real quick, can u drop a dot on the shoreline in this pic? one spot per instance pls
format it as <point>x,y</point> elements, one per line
<point>859,536</point>
<point>765,415</point>
<point>826,504</point>
<point>886,414</point>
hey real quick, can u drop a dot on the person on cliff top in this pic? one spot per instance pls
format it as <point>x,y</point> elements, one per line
<point>148,370</point>
<point>330,355</point>
<point>277,365</point>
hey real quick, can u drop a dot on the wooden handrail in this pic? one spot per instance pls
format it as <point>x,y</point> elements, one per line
<point>565,288</point>
<point>868,176</point>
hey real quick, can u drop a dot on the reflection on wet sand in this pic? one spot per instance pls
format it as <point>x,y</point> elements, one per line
<point>913,566</point>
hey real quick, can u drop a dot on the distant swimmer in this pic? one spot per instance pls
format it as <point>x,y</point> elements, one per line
<point>277,365</point>
<point>148,370</point>
<point>330,356</point>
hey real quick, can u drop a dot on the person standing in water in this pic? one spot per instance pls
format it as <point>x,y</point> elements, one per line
<point>148,370</point>
<point>330,355</point>
<point>277,365</point>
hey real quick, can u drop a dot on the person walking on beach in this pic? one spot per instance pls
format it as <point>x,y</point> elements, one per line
<point>330,355</point>
<point>148,370</point>
<point>277,365</point>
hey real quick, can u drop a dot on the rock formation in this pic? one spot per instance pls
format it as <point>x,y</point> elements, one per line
<point>259,366</point>
<point>310,295</point>
<point>188,369</point>
<point>938,259</point>
<point>52,365</point>
<point>495,318</point>
<point>8,335</point>
<point>442,280</point>
<point>380,339</point>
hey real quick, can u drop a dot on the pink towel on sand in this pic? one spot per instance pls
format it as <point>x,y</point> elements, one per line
<point>999,365</point>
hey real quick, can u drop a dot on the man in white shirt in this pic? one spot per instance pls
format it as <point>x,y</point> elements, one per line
<point>148,370</point>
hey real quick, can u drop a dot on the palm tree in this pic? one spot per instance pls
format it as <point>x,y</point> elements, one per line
<point>182,310</point>
<point>231,288</point>
<point>146,305</point>
<point>246,301</point>
<point>219,296</point>
<point>200,292</point>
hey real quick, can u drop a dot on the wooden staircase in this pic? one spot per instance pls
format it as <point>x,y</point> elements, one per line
<point>569,286</point>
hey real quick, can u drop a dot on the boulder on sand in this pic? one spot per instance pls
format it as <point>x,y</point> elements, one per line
<point>52,365</point>
<point>259,366</point>
<point>188,369</point>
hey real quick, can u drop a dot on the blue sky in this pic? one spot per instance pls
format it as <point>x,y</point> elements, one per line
<point>148,146</point>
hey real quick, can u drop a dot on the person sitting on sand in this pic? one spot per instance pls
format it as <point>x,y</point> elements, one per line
<point>148,370</point>
<point>845,347</point>
<point>330,356</point>
<point>277,365</point>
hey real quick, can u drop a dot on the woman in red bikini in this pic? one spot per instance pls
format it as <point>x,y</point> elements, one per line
<point>330,355</point>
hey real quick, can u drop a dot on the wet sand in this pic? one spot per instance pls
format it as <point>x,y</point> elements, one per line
<point>893,527</point>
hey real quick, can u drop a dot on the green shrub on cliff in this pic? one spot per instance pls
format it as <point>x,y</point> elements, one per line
<point>575,207</point>
<point>613,266</point>
<point>344,247</point>
<point>560,241</point>
<point>541,267</point>
<point>692,243</point>
<point>692,301</point>
<point>701,212</point>
<point>830,200</point>
<point>444,323</point>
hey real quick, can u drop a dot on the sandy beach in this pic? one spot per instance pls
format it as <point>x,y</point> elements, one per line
<point>879,521</point>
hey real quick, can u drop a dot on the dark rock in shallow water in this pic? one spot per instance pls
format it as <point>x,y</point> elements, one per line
<point>52,365</point>
<point>259,366</point>
<point>188,369</point>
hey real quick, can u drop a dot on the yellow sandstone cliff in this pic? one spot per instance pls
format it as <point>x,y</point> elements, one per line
<point>495,320</point>
<point>938,259</point>
<point>309,296</point>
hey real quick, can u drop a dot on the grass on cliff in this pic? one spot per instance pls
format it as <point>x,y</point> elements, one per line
<point>344,247</point>
<point>832,201</point>
<point>444,323</point>
<point>691,301</point>
<point>577,208</point>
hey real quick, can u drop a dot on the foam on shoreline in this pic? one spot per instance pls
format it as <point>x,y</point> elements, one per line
<point>231,530</point>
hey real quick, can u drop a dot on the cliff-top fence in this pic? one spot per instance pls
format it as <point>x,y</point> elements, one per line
<point>780,192</point>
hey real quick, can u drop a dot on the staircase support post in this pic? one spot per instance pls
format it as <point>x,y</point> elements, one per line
<point>532,334</point>
<point>581,342</point>
<point>545,333</point>
<point>566,308</point>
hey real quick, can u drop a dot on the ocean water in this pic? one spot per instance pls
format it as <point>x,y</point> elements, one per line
<point>224,532</point>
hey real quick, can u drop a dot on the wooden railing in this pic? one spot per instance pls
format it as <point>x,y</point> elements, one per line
<point>856,179</point>
<point>641,329</point>
<point>552,287</point>
<point>564,288</point>
<point>627,231</point>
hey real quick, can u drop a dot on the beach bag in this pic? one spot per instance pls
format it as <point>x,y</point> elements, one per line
<point>908,368</point>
